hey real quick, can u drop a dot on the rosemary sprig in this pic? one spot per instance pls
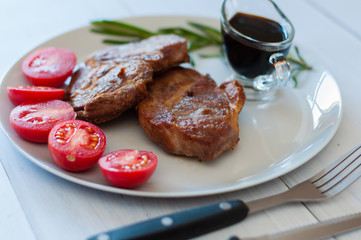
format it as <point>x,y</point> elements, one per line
<point>299,65</point>
<point>204,36</point>
<point>214,55</point>
<point>195,40</point>
<point>111,41</point>
<point>210,32</point>
<point>120,29</point>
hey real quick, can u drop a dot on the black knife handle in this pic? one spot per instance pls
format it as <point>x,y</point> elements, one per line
<point>182,225</point>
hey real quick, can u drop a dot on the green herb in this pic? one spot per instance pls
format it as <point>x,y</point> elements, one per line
<point>199,36</point>
<point>210,32</point>
<point>111,41</point>
<point>215,55</point>
<point>299,65</point>
<point>205,37</point>
<point>120,29</point>
<point>195,40</point>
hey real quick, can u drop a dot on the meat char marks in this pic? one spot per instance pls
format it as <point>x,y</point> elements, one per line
<point>112,80</point>
<point>186,113</point>
<point>99,94</point>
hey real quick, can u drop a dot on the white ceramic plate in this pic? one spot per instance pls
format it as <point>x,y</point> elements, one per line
<point>275,137</point>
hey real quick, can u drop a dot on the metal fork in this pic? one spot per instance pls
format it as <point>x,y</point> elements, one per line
<point>325,184</point>
<point>197,221</point>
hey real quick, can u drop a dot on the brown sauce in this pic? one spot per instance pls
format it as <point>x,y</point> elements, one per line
<point>246,60</point>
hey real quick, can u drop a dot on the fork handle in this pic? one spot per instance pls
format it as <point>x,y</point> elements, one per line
<point>182,225</point>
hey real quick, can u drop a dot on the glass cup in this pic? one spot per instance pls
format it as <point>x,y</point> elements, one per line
<point>256,39</point>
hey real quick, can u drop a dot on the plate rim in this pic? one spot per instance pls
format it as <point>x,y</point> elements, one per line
<point>139,193</point>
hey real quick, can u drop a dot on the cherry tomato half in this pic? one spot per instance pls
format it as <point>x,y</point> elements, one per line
<point>49,66</point>
<point>128,168</point>
<point>76,145</point>
<point>34,120</point>
<point>21,94</point>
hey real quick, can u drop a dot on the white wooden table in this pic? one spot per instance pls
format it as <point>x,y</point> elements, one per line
<point>35,204</point>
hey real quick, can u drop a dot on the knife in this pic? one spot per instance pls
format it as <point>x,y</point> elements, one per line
<point>201,220</point>
<point>182,225</point>
<point>315,231</point>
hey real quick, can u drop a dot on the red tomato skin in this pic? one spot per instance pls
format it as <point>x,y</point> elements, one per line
<point>36,66</point>
<point>22,94</point>
<point>28,123</point>
<point>82,158</point>
<point>123,178</point>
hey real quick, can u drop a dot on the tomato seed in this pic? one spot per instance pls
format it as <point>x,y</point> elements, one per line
<point>90,130</point>
<point>61,141</point>
<point>92,146</point>
<point>71,158</point>
<point>69,125</point>
<point>94,138</point>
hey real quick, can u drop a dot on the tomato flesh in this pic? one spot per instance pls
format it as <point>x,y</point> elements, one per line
<point>76,145</point>
<point>22,94</point>
<point>128,168</point>
<point>49,66</point>
<point>34,120</point>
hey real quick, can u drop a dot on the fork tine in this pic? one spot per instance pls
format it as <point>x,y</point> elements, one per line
<point>336,164</point>
<point>343,183</point>
<point>340,174</point>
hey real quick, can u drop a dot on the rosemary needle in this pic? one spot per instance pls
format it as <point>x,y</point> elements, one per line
<point>203,36</point>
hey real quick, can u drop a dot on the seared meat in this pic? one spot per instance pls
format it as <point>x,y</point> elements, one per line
<point>113,80</point>
<point>103,93</point>
<point>161,52</point>
<point>187,113</point>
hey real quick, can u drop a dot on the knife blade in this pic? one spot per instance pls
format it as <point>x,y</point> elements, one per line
<point>316,231</point>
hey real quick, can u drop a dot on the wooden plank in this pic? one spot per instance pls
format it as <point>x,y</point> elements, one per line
<point>323,36</point>
<point>27,28</point>
<point>208,8</point>
<point>58,209</point>
<point>13,222</point>
<point>346,14</point>
<point>339,49</point>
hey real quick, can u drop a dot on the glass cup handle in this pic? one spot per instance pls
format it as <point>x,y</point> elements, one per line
<point>282,68</point>
<point>280,76</point>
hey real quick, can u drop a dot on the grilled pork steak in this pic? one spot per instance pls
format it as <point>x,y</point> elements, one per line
<point>114,79</point>
<point>186,113</point>
<point>103,93</point>
<point>161,52</point>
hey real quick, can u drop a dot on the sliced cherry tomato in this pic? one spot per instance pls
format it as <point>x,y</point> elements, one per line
<point>128,168</point>
<point>21,94</point>
<point>76,145</point>
<point>34,120</point>
<point>49,66</point>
